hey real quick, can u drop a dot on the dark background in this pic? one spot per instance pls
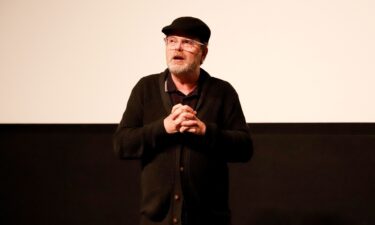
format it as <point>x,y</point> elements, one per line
<point>300,174</point>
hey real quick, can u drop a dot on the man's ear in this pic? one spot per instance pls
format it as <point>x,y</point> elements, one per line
<point>204,54</point>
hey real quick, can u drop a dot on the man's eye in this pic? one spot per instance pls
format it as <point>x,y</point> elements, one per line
<point>188,42</point>
<point>171,41</point>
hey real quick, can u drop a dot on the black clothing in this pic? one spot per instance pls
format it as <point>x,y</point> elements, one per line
<point>184,170</point>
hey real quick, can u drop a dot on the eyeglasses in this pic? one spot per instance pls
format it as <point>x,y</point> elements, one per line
<point>189,45</point>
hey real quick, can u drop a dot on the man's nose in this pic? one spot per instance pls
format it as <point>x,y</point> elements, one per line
<point>178,46</point>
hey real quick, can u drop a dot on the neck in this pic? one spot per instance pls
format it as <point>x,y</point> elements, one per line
<point>185,83</point>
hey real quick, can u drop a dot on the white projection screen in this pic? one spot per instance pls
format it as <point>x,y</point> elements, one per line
<point>76,61</point>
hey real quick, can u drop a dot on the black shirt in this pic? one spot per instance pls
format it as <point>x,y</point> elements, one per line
<point>178,97</point>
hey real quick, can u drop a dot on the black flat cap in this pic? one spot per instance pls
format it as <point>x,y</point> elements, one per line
<point>190,26</point>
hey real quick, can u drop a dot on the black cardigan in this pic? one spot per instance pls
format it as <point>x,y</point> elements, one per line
<point>204,180</point>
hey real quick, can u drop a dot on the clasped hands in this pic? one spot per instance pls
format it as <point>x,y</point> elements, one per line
<point>183,119</point>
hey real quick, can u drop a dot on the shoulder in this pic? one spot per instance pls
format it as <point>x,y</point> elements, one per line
<point>152,78</point>
<point>217,84</point>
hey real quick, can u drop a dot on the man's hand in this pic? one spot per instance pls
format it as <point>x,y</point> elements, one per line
<point>183,119</point>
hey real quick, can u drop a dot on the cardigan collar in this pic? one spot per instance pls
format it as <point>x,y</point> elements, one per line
<point>202,86</point>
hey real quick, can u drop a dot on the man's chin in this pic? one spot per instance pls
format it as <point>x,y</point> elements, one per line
<point>178,70</point>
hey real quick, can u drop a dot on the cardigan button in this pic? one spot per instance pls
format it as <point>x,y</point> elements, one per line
<point>176,197</point>
<point>175,220</point>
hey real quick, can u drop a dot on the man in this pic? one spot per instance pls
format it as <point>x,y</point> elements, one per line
<point>184,126</point>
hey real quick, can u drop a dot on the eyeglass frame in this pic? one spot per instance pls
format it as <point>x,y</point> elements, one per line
<point>183,44</point>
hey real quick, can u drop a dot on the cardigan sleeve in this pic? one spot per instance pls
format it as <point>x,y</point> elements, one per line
<point>231,145</point>
<point>133,139</point>
<point>229,137</point>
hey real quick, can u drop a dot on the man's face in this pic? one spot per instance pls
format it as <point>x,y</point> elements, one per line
<point>183,55</point>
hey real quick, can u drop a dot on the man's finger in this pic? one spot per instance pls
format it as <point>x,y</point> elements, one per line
<point>175,107</point>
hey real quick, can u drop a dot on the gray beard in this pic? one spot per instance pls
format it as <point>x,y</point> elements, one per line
<point>182,70</point>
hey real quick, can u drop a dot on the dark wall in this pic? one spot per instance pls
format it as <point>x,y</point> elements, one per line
<point>300,174</point>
